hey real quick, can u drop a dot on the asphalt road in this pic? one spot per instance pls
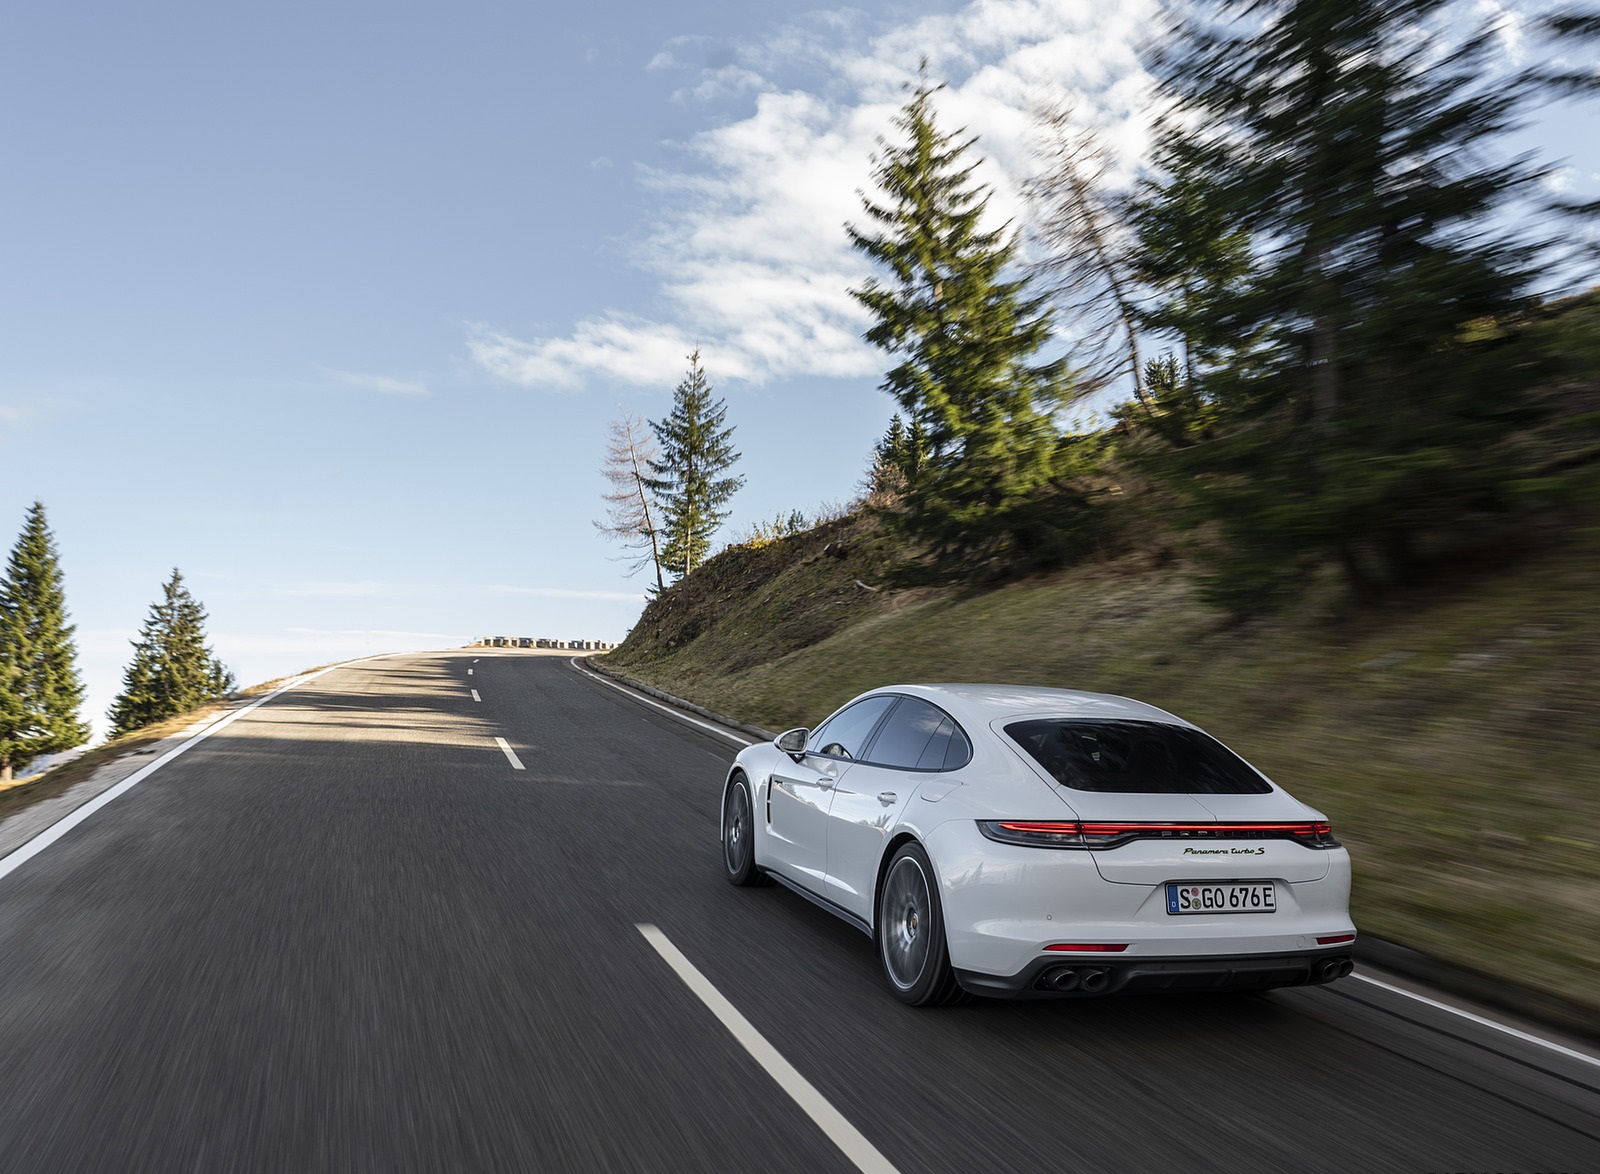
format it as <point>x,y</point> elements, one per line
<point>345,934</point>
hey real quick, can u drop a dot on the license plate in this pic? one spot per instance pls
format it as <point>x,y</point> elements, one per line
<point>1225,898</point>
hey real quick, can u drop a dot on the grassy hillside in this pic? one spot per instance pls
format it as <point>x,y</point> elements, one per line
<point>1453,736</point>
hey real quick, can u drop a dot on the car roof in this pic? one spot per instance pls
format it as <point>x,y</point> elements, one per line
<point>975,703</point>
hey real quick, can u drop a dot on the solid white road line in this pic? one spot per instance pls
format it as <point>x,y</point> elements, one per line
<point>1482,1021</point>
<point>516,763</point>
<point>677,713</point>
<point>65,824</point>
<point>832,1122</point>
<point>475,696</point>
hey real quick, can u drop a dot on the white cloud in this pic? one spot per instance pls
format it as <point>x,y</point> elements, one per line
<point>748,255</point>
<point>564,593</point>
<point>669,58</point>
<point>1561,181</point>
<point>328,642</point>
<point>19,412</point>
<point>615,346</point>
<point>730,81</point>
<point>361,589</point>
<point>386,384</point>
<point>372,588</point>
<point>1509,26</point>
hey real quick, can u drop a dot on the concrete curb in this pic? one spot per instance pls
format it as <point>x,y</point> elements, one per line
<point>759,733</point>
<point>1534,1005</point>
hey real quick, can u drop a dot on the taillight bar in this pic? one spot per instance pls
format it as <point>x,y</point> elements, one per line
<point>1098,834</point>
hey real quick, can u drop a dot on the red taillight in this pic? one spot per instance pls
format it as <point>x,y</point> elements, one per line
<point>1335,939</point>
<point>1317,835</point>
<point>1034,833</point>
<point>1090,948</point>
<point>1100,834</point>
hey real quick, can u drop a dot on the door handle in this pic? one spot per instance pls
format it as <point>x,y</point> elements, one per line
<point>886,798</point>
<point>825,782</point>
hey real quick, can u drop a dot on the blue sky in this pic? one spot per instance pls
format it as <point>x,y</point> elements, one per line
<point>329,304</point>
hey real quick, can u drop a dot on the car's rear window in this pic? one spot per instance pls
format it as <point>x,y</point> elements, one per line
<point>1129,757</point>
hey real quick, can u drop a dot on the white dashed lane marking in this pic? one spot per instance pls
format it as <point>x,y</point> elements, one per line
<point>475,696</point>
<point>511,755</point>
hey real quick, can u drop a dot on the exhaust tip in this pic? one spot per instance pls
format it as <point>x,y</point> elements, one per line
<point>1334,968</point>
<point>1095,981</point>
<point>1062,979</point>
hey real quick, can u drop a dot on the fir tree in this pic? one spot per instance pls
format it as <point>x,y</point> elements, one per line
<point>964,336</point>
<point>1194,260</point>
<point>896,463</point>
<point>1332,259</point>
<point>40,690</point>
<point>696,449</point>
<point>172,670</point>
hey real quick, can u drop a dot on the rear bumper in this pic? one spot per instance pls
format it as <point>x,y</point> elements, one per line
<point>1004,904</point>
<point>1041,978</point>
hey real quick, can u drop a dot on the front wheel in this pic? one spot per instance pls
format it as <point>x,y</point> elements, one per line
<point>910,933</point>
<point>738,835</point>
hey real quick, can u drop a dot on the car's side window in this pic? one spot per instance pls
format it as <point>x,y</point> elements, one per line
<point>933,754</point>
<point>919,736</point>
<point>905,737</point>
<point>846,732</point>
<point>959,752</point>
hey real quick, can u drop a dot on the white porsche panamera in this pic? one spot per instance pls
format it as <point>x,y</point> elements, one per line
<point>1028,842</point>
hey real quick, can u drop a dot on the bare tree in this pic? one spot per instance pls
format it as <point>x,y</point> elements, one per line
<point>1083,225</point>
<point>630,507</point>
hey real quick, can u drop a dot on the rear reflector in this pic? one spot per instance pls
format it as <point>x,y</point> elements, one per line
<point>1090,948</point>
<point>1335,939</point>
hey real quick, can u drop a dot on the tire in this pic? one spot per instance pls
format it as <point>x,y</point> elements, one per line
<point>910,934</point>
<point>738,836</point>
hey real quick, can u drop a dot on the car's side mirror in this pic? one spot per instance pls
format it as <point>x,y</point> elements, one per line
<point>792,742</point>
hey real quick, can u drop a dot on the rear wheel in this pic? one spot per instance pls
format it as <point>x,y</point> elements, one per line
<point>910,933</point>
<point>738,835</point>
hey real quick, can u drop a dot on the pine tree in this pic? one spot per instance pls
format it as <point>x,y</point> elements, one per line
<point>896,463</point>
<point>1346,291</point>
<point>695,451</point>
<point>172,670</point>
<point>1193,260</point>
<point>40,690</point>
<point>964,335</point>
